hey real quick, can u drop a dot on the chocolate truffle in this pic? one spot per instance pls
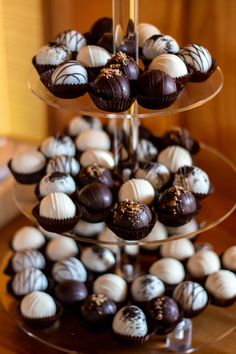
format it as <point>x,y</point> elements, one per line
<point>203,263</point>
<point>159,44</point>
<point>169,270</point>
<point>146,287</point>
<point>175,157</point>
<point>71,292</point>
<point>221,286</point>
<point>27,237</point>
<point>100,157</point>
<point>97,259</point>
<point>229,258</point>
<point>87,229</point>
<point>95,173</point>
<point>164,313</point>
<point>125,64</point>
<point>179,249</point>
<point>38,305</point>
<point>61,248</point>
<point>56,182</point>
<point>176,206</point>
<point>93,139</point>
<point>156,83</point>
<point>58,145</point>
<point>196,57</point>
<point>158,233</point>
<point>57,206</point>
<point>146,151</point>
<point>111,285</point>
<point>28,280</point>
<point>145,31</point>
<point>64,164</point>
<point>191,297</point>
<point>106,42</point>
<point>27,259</point>
<point>157,174</point>
<point>179,136</point>
<point>170,64</point>
<point>98,309</point>
<point>69,269</point>
<point>101,26</point>
<point>72,39</point>
<point>95,197</point>
<point>93,56</point>
<point>80,123</point>
<point>139,190</point>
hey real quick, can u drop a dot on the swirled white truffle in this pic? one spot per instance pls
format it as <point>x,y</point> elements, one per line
<point>139,190</point>
<point>188,228</point>
<point>174,157</point>
<point>97,259</point>
<point>222,285</point>
<point>179,249</point>
<point>72,39</point>
<point>61,248</point>
<point>57,206</point>
<point>169,270</point>
<point>69,269</point>
<point>27,259</point>
<point>69,73</point>
<point>56,182</point>
<point>52,54</point>
<point>203,263</point>
<point>145,31</point>
<point>38,305</point>
<point>27,237</point>
<point>28,280</point>
<point>111,285</point>
<point>170,64</point>
<point>93,56</point>
<point>80,123</point>
<point>158,233</point>
<point>159,44</point>
<point>191,297</point>
<point>196,57</point>
<point>107,236</point>
<point>93,139</point>
<point>100,157</point>
<point>28,161</point>
<point>146,287</point>
<point>64,164</point>
<point>146,151</point>
<point>193,179</point>
<point>130,321</point>
<point>229,258</point>
<point>88,229</point>
<point>155,173</point>
<point>58,145</point>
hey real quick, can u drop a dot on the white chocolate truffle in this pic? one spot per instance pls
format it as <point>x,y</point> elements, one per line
<point>52,54</point>
<point>64,164</point>
<point>155,173</point>
<point>197,57</point>
<point>58,145</point>
<point>193,179</point>
<point>72,39</point>
<point>57,206</point>
<point>38,305</point>
<point>93,139</point>
<point>169,270</point>
<point>60,248</point>
<point>69,73</point>
<point>69,269</point>
<point>170,64</point>
<point>28,280</point>
<point>93,56</point>
<point>130,321</point>
<point>97,259</point>
<point>100,157</point>
<point>222,284</point>
<point>88,229</point>
<point>175,157</point>
<point>146,151</point>
<point>80,123</point>
<point>158,233</point>
<point>229,258</point>
<point>178,249</point>
<point>191,226</point>
<point>145,31</point>
<point>147,287</point>
<point>159,44</point>
<point>108,236</point>
<point>131,250</point>
<point>27,259</point>
<point>136,189</point>
<point>111,285</point>
<point>190,296</point>
<point>27,237</point>
<point>28,161</point>
<point>56,182</point>
<point>203,263</point>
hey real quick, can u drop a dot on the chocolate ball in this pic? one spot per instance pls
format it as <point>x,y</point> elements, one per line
<point>95,196</point>
<point>131,214</point>
<point>106,42</point>
<point>181,137</point>
<point>164,313</point>
<point>156,83</point>
<point>96,173</point>
<point>101,26</point>
<point>125,63</point>
<point>71,291</point>
<point>98,309</point>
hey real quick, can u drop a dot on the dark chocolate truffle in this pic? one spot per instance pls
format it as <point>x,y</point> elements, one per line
<point>181,137</point>
<point>106,42</point>
<point>71,292</point>
<point>155,83</point>
<point>101,26</point>
<point>96,173</point>
<point>126,64</point>
<point>95,196</point>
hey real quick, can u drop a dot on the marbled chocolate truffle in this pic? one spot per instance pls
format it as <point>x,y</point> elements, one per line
<point>52,54</point>
<point>80,123</point>
<point>71,292</point>
<point>229,258</point>
<point>196,57</point>
<point>38,305</point>
<point>95,197</point>
<point>170,64</point>
<point>72,39</point>
<point>28,280</point>
<point>146,287</point>
<point>179,249</point>
<point>178,136</point>
<point>159,44</point>
<point>175,157</point>
<point>27,237</point>
<point>101,157</point>
<point>111,285</point>
<point>69,269</point>
<point>64,164</point>
<point>145,31</point>
<point>97,259</point>
<point>93,139</point>
<point>58,145</point>
<point>146,151</point>
<point>221,286</point>
<point>139,190</point>
<point>157,174</point>
<point>69,73</point>
<point>61,248</point>
<point>56,182</point>
<point>95,173</point>
<point>27,259</point>
<point>156,83</point>
<point>169,270</point>
<point>57,206</point>
<point>203,263</point>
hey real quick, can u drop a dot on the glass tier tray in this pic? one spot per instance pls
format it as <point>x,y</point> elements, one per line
<point>215,208</point>
<point>193,95</point>
<point>70,336</point>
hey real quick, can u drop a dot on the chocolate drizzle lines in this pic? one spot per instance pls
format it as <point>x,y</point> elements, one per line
<point>197,54</point>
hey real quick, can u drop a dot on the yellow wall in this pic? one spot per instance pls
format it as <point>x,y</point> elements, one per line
<point>21,35</point>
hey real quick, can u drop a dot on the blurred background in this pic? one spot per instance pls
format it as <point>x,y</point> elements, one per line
<point>26,25</point>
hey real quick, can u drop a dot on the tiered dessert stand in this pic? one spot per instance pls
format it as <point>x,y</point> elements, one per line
<point>215,323</point>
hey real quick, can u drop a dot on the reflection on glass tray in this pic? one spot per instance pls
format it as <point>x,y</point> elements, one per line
<point>215,208</point>
<point>70,336</point>
<point>193,95</point>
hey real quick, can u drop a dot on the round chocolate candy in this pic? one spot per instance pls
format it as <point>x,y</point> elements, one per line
<point>71,292</point>
<point>101,26</point>
<point>155,83</point>
<point>95,196</point>
<point>181,137</point>
<point>96,173</point>
<point>126,64</point>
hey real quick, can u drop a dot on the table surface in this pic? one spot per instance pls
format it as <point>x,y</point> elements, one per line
<point>14,341</point>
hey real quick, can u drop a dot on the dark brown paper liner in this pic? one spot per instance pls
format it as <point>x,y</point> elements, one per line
<point>27,178</point>
<point>115,105</point>
<point>197,76</point>
<point>63,91</point>
<point>175,219</point>
<point>41,323</point>
<point>158,102</point>
<point>129,340</point>
<point>93,72</point>
<point>193,313</point>
<point>132,235</point>
<point>221,302</point>
<point>93,216</point>
<point>40,67</point>
<point>56,225</point>
<point>183,80</point>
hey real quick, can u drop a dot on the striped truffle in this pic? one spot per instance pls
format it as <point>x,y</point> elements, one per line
<point>28,280</point>
<point>69,73</point>
<point>69,269</point>
<point>197,57</point>
<point>72,39</point>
